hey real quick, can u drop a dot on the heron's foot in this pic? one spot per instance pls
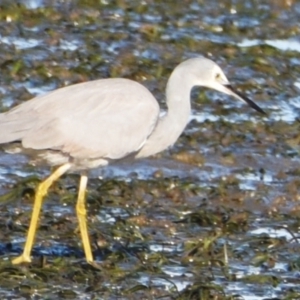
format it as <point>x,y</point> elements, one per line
<point>94,265</point>
<point>21,259</point>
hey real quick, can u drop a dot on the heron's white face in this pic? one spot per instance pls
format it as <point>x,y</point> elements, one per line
<point>217,80</point>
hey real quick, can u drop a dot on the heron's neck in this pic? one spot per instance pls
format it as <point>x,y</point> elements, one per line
<point>172,124</point>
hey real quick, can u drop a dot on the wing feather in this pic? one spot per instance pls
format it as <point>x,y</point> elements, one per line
<point>108,118</point>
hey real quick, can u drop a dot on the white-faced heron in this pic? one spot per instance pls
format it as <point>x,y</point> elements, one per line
<point>92,124</point>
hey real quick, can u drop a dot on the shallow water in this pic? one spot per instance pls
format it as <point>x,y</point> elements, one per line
<point>217,215</point>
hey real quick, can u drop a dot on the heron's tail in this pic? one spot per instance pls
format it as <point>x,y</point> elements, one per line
<point>12,127</point>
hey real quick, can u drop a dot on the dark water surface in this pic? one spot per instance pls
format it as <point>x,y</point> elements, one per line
<point>216,216</point>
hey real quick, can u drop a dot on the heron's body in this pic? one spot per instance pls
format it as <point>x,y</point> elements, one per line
<point>42,123</point>
<point>92,124</point>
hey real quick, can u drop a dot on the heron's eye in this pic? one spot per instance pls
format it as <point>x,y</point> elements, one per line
<point>218,77</point>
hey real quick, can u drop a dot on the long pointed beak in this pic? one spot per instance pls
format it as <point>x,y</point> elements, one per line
<point>228,89</point>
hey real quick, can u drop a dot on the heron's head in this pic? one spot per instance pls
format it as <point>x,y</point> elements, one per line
<point>201,71</point>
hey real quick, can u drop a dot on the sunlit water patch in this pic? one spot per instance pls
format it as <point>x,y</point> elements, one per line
<point>251,291</point>
<point>273,232</point>
<point>20,43</point>
<point>38,90</point>
<point>68,45</point>
<point>32,4</point>
<point>110,215</point>
<point>284,45</point>
<point>165,247</point>
<point>201,117</point>
<point>167,284</point>
<point>249,181</point>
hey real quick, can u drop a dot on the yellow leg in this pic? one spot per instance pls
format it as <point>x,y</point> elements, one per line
<point>41,191</point>
<point>81,216</point>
